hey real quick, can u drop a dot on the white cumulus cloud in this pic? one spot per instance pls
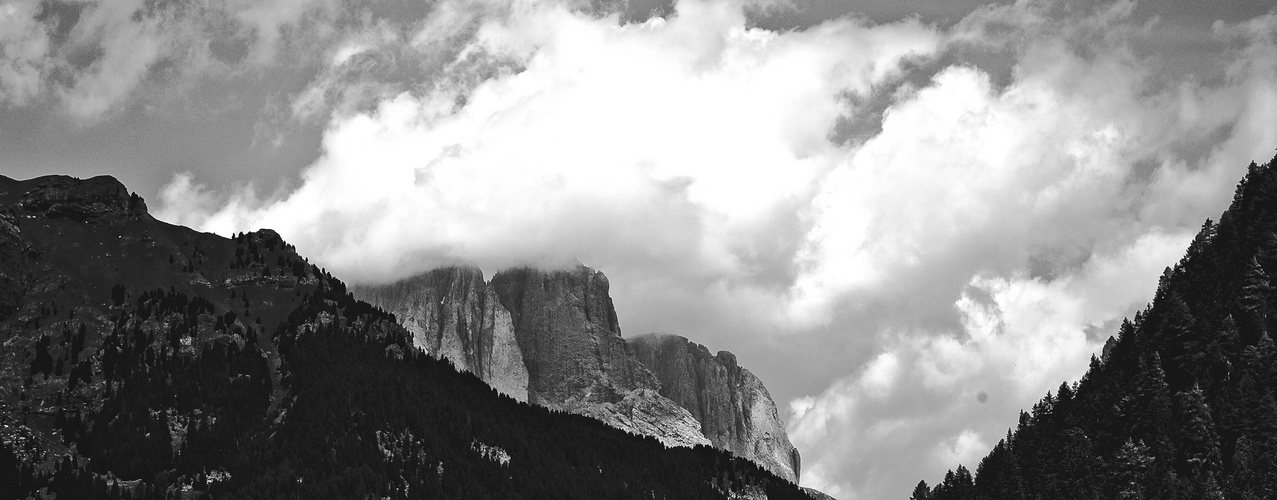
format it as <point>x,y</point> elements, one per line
<point>1024,179</point>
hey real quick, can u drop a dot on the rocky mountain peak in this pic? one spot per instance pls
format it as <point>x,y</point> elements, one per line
<point>566,324</point>
<point>552,337</point>
<point>734,409</point>
<point>82,200</point>
<point>453,314</point>
<point>579,289</point>
<point>549,337</point>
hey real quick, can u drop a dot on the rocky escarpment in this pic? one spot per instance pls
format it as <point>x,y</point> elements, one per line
<point>453,314</point>
<point>80,200</point>
<point>14,252</point>
<point>734,409</point>
<point>547,337</point>
<point>568,329</point>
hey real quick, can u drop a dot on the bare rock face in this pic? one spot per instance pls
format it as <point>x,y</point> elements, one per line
<point>81,200</point>
<point>453,314</point>
<point>646,412</point>
<point>545,337</point>
<point>565,322</point>
<point>14,252</point>
<point>734,409</point>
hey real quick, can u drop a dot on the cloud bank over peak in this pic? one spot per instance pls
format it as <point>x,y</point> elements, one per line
<point>911,231</point>
<point>669,143</point>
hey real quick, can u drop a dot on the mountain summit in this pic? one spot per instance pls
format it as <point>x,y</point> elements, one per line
<point>555,337</point>
<point>735,411</point>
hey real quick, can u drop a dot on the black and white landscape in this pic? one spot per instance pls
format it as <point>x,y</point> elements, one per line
<point>641,248</point>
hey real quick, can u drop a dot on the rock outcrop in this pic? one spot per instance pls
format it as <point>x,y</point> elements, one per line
<point>552,338</point>
<point>734,409</point>
<point>453,314</point>
<point>81,200</point>
<point>565,322</point>
<point>14,252</point>
<point>546,337</point>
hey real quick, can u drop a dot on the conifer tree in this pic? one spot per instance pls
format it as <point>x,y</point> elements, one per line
<point>1151,412</point>
<point>1199,448</point>
<point>998,475</point>
<point>1248,480</point>
<point>1133,465</point>
<point>921,492</point>
<point>9,473</point>
<point>1252,300</point>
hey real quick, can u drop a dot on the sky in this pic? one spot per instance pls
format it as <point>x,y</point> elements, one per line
<point>911,219</point>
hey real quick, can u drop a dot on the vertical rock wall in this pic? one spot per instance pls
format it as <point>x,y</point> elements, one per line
<point>734,409</point>
<point>452,314</point>
<point>546,337</point>
<point>565,322</point>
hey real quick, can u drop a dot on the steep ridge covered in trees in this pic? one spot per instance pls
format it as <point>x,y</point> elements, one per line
<point>146,360</point>
<point>1181,402</point>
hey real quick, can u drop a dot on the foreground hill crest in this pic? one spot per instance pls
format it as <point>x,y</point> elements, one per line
<point>146,360</point>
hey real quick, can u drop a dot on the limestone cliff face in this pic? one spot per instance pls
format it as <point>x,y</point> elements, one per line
<point>453,314</point>
<point>577,361</point>
<point>734,409</point>
<point>565,322</point>
<point>546,337</point>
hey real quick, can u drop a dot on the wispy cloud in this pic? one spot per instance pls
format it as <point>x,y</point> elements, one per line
<point>23,44</point>
<point>93,59</point>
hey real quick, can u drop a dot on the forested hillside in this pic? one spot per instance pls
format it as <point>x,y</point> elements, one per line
<point>145,360</point>
<point>1181,403</point>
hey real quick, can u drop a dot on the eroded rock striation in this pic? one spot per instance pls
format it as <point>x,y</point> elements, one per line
<point>734,409</point>
<point>546,337</point>
<point>565,322</point>
<point>552,338</point>
<point>453,314</point>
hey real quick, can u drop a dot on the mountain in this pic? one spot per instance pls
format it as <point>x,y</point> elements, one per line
<point>452,313</point>
<point>1181,403</point>
<point>563,324</point>
<point>735,411</point>
<point>817,494</point>
<point>547,337</point>
<point>146,360</point>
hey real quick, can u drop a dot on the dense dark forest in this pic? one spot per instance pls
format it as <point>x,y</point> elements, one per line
<point>233,368</point>
<point>1181,403</point>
